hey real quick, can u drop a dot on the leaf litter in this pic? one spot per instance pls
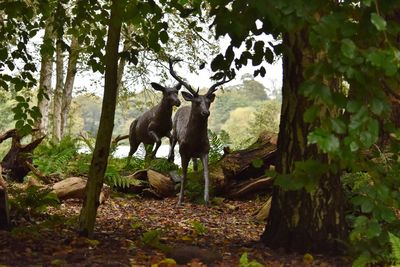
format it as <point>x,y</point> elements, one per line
<point>146,232</point>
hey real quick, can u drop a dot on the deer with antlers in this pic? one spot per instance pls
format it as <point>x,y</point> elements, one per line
<point>155,123</point>
<point>190,131</point>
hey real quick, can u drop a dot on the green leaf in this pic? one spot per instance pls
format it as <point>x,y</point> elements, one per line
<point>288,183</point>
<point>326,141</point>
<point>366,139</point>
<point>217,63</point>
<point>387,214</point>
<point>20,98</point>
<point>367,2</point>
<point>164,37</point>
<point>354,146</point>
<point>367,205</point>
<point>378,21</point>
<point>353,106</point>
<point>348,48</point>
<point>3,54</point>
<point>338,126</point>
<point>377,106</point>
<point>374,229</point>
<point>311,114</point>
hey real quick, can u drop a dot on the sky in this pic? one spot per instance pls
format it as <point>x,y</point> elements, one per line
<point>93,82</point>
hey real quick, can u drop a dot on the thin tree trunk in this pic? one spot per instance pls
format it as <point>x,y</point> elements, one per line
<point>58,93</point>
<point>102,148</point>
<point>46,72</point>
<point>300,220</point>
<point>121,67</point>
<point>122,60</point>
<point>69,83</point>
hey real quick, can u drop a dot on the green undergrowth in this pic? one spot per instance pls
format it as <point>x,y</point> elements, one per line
<point>373,212</point>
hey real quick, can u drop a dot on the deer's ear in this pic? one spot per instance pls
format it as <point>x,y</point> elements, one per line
<point>211,97</point>
<point>158,87</point>
<point>187,96</point>
<point>178,86</point>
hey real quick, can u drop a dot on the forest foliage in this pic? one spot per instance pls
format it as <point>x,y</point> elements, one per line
<point>344,97</point>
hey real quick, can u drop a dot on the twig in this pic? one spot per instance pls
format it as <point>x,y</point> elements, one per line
<point>38,173</point>
<point>389,90</point>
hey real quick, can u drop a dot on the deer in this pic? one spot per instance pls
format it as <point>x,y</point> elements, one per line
<point>189,129</point>
<point>155,123</point>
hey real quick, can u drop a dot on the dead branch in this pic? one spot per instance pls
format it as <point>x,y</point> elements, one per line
<point>44,178</point>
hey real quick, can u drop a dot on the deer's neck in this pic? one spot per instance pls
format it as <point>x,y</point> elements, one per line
<point>164,110</point>
<point>197,125</point>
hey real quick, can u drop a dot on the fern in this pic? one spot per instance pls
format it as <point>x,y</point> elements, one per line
<point>114,179</point>
<point>32,200</point>
<point>395,242</point>
<point>217,143</point>
<point>363,260</point>
<point>244,262</point>
<point>51,157</point>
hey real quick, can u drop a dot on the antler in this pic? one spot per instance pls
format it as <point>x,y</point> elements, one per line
<point>173,74</point>
<point>213,88</point>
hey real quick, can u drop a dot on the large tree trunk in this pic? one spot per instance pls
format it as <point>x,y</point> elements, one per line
<point>102,148</point>
<point>46,72</point>
<point>69,82</point>
<point>300,220</point>
<point>58,93</point>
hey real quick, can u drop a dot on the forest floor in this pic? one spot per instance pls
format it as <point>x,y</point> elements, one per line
<point>144,232</point>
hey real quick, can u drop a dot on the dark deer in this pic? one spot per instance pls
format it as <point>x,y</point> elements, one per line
<point>190,131</point>
<point>155,123</point>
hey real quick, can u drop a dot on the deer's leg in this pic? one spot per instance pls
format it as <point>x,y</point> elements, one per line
<point>195,164</point>
<point>133,143</point>
<point>172,142</point>
<point>204,160</point>
<point>157,140</point>
<point>185,163</point>
<point>132,150</point>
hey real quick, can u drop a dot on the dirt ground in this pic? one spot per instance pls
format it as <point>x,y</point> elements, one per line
<point>143,232</point>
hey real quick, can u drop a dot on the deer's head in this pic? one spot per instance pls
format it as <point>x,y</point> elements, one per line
<point>170,94</point>
<point>200,103</point>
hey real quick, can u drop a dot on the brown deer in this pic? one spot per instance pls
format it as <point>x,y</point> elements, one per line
<point>155,123</point>
<point>190,131</point>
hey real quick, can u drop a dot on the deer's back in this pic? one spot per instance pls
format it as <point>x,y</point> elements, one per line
<point>151,120</point>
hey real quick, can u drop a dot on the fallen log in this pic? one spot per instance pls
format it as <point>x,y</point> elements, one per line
<point>241,172</point>
<point>249,187</point>
<point>150,183</point>
<point>74,188</point>
<point>160,183</point>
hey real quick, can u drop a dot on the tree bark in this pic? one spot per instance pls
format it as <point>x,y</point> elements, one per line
<point>46,72</point>
<point>58,92</point>
<point>69,82</point>
<point>102,147</point>
<point>300,220</point>
<point>14,162</point>
<point>4,206</point>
